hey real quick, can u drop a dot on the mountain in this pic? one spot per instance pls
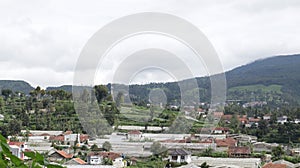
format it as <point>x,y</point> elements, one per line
<point>16,85</point>
<point>272,79</point>
<point>282,70</point>
<point>67,88</point>
<point>275,79</point>
<point>280,75</point>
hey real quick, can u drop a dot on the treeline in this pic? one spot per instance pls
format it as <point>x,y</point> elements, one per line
<point>47,110</point>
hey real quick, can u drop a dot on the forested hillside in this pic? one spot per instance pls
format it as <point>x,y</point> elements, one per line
<point>16,86</point>
<point>275,79</point>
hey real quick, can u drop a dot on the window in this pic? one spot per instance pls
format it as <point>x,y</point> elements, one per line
<point>182,157</point>
<point>174,157</point>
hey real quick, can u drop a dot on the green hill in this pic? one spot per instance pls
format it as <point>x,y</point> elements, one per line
<point>16,85</point>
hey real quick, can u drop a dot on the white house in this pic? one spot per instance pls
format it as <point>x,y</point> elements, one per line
<point>179,155</point>
<point>134,135</point>
<point>94,159</point>
<point>267,117</point>
<point>18,149</point>
<point>282,119</point>
<point>118,162</point>
<point>1,117</point>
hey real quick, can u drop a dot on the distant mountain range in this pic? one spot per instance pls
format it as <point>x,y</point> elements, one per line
<point>16,85</point>
<point>276,75</point>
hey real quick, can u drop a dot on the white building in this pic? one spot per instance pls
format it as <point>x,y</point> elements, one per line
<point>94,159</point>
<point>118,162</point>
<point>134,135</point>
<point>282,119</point>
<point>18,149</point>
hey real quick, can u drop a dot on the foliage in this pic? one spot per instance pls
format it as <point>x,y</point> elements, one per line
<point>106,146</point>
<point>277,153</point>
<point>8,160</point>
<point>157,149</point>
<point>204,165</point>
<point>152,162</point>
<point>94,147</point>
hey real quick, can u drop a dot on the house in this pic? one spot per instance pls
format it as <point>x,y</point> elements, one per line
<point>179,155</point>
<point>59,155</point>
<point>239,152</point>
<point>297,121</point>
<point>282,119</point>
<point>287,163</point>
<point>254,121</point>
<point>75,161</point>
<point>227,118</point>
<point>272,165</point>
<point>18,149</point>
<point>263,146</point>
<point>1,117</point>
<point>220,130</point>
<point>119,162</point>
<point>94,158</point>
<point>228,142</point>
<point>267,117</point>
<point>243,120</point>
<point>217,115</point>
<point>134,135</point>
<point>295,151</point>
<point>69,138</point>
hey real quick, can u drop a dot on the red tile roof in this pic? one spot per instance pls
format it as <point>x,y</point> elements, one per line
<point>254,119</point>
<point>239,150</point>
<point>222,128</point>
<point>68,132</point>
<point>57,138</point>
<point>79,161</point>
<point>227,117</point>
<point>84,137</point>
<point>225,142</point>
<point>271,165</point>
<point>136,132</point>
<point>19,144</point>
<point>243,120</point>
<point>64,154</point>
<point>110,155</point>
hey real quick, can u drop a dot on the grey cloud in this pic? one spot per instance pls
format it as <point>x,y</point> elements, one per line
<point>38,38</point>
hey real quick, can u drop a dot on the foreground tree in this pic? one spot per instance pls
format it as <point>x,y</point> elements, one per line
<point>157,149</point>
<point>7,159</point>
<point>106,146</point>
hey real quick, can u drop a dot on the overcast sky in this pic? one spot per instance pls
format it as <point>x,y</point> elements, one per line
<point>40,41</point>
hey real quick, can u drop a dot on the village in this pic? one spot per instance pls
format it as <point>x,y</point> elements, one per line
<point>216,147</point>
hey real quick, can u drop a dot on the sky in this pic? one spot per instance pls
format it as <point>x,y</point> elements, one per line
<point>40,41</point>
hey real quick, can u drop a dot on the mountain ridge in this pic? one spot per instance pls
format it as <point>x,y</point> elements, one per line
<point>279,70</point>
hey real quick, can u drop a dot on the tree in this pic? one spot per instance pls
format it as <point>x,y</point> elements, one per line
<point>101,92</point>
<point>106,146</point>
<point>204,165</point>
<point>35,159</point>
<point>277,152</point>
<point>157,149</point>
<point>208,151</point>
<point>94,147</point>
<point>6,93</point>
<point>119,99</point>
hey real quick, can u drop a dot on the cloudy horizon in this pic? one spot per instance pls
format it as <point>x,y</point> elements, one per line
<point>41,41</point>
